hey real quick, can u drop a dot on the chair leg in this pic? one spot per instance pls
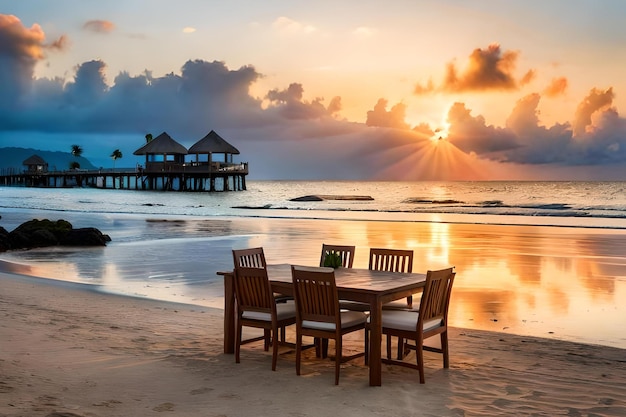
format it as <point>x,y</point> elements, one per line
<point>274,347</point>
<point>367,346</point>
<point>388,346</point>
<point>400,348</point>
<point>267,334</point>
<point>419,356</point>
<point>298,352</point>
<point>444,349</point>
<point>338,349</point>
<point>237,341</point>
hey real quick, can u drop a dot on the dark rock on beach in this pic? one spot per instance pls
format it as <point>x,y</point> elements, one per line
<point>333,197</point>
<point>42,233</point>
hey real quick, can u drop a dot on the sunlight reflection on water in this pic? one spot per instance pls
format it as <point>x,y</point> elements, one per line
<point>542,281</point>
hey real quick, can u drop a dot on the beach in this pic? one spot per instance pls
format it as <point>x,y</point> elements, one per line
<point>67,351</point>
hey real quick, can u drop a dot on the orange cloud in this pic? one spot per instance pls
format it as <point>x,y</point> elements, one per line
<point>487,69</point>
<point>99,26</point>
<point>557,87</point>
<point>18,41</point>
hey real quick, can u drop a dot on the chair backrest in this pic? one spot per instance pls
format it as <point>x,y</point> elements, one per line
<point>251,258</point>
<point>391,260</point>
<point>315,293</point>
<point>253,290</point>
<point>345,252</point>
<point>436,297</point>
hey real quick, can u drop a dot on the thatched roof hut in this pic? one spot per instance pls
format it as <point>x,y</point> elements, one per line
<point>213,143</point>
<point>35,163</point>
<point>162,145</point>
<point>162,153</point>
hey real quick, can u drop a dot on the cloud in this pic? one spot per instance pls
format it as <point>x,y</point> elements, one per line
<point>286,25</point>
<point>99,26</point>
<point>487,69</point>
<point>380,117</point>
<point>472,134</point>
<point>595,101</point>
<point>598,139</point>
<point>20,49</point>
<point>289,104</point>
<point>189,29</point>
<point>557,87</point>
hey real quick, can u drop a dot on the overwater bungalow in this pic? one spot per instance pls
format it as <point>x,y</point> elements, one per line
<point>35,164</point>
<point>163,154</point>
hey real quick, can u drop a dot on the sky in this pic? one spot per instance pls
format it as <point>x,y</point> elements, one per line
<point>355,90</point>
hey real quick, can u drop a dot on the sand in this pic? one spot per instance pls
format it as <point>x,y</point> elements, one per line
<point>67,351</point>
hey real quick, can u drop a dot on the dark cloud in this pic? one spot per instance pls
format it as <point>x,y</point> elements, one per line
<point>601,137</point>
<point>380,117</point>
<point>289,103</point>
<point>594,102</point>
<point>487,69</point>
<point>471,134</point>
<point>99,26</point>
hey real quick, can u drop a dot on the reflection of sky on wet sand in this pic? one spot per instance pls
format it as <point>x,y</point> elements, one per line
<point>545,281</point>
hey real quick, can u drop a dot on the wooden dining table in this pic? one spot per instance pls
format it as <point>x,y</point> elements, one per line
<point>362,285</point>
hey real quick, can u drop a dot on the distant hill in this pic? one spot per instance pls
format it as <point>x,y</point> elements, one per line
<point>11,159</point>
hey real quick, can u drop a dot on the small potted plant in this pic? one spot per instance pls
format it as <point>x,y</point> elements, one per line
<point>333,260</point>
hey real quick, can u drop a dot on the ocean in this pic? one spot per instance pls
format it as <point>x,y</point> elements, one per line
<point>548,259</point>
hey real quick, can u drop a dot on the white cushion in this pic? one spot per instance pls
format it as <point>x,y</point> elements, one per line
<point>406,320</point>
<point>348,319</point>
<point>283,311</point>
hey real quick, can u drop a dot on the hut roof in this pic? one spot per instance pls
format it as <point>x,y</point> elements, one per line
<point>213,143</point>
<point>162,144</point>
<point>34,160</point>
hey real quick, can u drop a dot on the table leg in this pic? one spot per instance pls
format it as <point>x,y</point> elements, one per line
<point>376,312</point>
<point>229,314</point>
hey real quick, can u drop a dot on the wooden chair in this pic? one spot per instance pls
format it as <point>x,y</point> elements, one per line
<point>431,320</point>
<point>393,260</point>
<point>345,252</point>
<point>251,258</point>
<point>255,258</point>
<point>318,314</point>
<point>256,305</point>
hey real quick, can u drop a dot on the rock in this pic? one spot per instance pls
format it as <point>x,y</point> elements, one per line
<point>5,240</point>
<point>86,236</point>
<point>42,233</point>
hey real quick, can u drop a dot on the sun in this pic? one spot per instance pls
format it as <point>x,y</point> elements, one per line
<point>441,132</point>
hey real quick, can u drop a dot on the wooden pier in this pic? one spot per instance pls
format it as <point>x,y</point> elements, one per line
<point>196,176</point>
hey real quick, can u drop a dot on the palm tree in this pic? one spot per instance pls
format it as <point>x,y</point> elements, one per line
<point>77,151</point>
<point>148,137</point>
<point>117,154</point>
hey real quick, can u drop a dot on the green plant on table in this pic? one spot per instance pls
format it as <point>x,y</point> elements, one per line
<point>333,260</point>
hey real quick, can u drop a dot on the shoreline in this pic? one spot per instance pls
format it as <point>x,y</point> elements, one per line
<point>69,350</point>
